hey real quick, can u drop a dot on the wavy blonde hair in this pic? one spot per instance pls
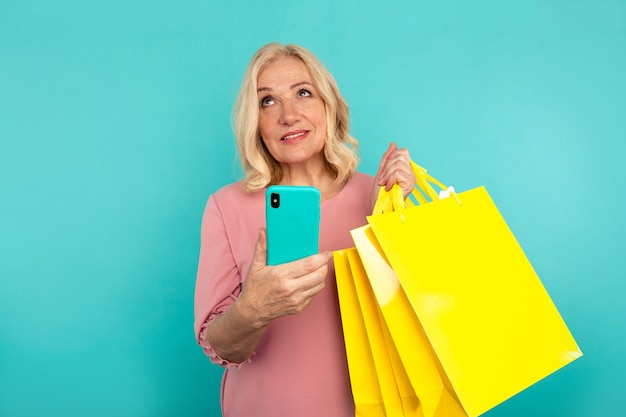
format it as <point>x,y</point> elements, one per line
<point>259,167</point>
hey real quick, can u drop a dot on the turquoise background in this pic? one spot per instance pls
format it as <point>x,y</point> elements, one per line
<point>115,128</point>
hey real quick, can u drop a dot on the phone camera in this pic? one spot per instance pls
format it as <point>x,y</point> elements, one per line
<point>275,200</point>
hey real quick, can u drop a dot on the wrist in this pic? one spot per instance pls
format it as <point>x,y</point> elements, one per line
<point>246,314</point>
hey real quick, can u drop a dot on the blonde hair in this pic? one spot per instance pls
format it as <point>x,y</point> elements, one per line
<point>259,167</point>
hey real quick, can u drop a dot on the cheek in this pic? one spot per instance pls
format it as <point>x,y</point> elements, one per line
<point>263,127</point>
<point>317,114</point>
<point>321,121</point>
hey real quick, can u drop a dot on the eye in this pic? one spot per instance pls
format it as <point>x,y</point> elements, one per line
<point>267,101</point>
<point>304,93</point>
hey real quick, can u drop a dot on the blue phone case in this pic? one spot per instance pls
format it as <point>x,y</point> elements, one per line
<point>292,215</point>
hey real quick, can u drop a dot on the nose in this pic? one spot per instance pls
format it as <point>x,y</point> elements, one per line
<point>289,113</point>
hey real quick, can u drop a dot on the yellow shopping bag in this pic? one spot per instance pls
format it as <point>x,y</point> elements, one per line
<point>491,324</point>
<point>366,389</point>
<point>380,384</point>
<point>418,365</point>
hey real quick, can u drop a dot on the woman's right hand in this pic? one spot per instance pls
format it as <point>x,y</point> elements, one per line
<point>270,292</point>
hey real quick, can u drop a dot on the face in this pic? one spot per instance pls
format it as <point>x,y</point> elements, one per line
<point>292,117</point>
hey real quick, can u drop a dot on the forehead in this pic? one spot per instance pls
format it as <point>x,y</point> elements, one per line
<point>283,72</point>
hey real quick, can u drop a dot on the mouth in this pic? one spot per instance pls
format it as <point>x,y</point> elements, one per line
<point>294,135</point>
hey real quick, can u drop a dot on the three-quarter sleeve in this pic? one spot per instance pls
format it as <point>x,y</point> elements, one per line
<point>218,281</point>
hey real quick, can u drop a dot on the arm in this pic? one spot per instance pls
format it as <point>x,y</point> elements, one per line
<point>268,292</point>
<point>234,335</point>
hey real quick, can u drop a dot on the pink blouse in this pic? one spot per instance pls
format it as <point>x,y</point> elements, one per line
<point>299,367</point>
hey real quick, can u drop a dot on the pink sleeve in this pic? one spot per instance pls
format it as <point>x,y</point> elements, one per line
<point>218,282</point>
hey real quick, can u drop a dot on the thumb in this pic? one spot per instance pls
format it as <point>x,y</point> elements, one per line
<point>392,147</point>
<point>260,249</point>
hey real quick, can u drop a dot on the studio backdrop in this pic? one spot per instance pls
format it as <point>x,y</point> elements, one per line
<point>115,127</point>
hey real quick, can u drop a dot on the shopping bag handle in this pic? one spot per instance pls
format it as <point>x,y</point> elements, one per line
<point>393,200</point>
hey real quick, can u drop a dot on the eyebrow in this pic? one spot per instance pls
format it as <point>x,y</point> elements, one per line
<point>298,84</point>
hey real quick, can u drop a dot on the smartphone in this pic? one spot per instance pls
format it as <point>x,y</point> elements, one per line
<point>292,215</point>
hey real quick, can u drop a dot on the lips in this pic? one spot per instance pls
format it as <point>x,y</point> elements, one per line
<point>294,135</point>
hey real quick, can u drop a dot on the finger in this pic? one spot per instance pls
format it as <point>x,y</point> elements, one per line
<point>309,286</point>
<point>392,147</point>
<point>398,162</point>
<point>311,293</point>
<point>398,167</point>
<point>405,178</point>
<point>399,156</point>
<point>260,249</point>
<point>401,173</point>
<point>402,154</point>
<point>399,159</point>
<point>308,265</point>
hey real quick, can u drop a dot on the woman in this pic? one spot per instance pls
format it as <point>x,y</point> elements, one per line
<point>277,329</point>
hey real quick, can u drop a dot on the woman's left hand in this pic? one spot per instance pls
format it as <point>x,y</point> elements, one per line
<point>395,168</point>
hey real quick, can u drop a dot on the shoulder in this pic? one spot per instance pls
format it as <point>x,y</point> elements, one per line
<point>235,194</point>
<point>361,177</point>
<point>360,182</point>
<point>232,190</point>
<point>233,201</point>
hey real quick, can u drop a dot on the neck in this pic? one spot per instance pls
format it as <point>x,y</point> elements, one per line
<point>315,175</point>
